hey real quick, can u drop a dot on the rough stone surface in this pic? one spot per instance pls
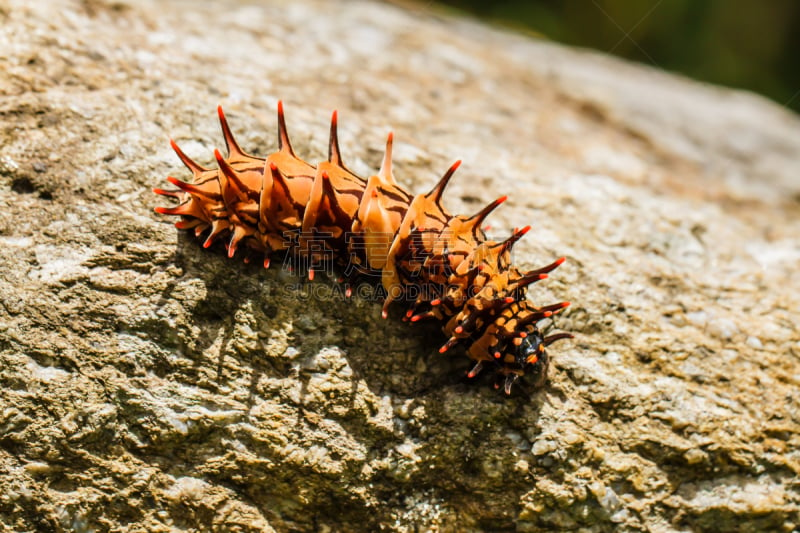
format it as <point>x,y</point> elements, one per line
<point>149,385</point>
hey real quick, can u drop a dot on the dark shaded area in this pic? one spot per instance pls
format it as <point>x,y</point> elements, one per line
<point>746,44</point>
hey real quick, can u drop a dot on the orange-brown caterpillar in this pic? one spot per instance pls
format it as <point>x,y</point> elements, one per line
<point>442,265</point>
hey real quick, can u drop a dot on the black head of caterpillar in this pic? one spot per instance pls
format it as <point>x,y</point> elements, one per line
<point>533,349</point>
<point>282,203</point>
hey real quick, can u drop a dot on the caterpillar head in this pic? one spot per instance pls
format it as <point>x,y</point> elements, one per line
<point>530,359</point>
<point>532,356</point>
<point>526,357</point>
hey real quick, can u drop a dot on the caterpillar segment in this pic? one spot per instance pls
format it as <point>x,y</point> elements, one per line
<point>442,266</point>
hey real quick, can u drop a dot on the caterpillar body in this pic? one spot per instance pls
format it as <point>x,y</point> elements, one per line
<point>442,266</point>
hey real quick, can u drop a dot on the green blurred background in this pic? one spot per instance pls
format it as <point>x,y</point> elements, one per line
<point>750,44</point>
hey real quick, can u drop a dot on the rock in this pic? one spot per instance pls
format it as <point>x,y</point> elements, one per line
<point>147,384</point>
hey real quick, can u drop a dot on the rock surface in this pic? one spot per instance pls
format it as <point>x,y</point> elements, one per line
<point>149,385</point>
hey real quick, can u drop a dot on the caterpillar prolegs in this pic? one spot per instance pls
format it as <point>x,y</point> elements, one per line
<point>441,265</point>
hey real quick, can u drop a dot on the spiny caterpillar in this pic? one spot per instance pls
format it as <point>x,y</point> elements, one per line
<point>441,265</point>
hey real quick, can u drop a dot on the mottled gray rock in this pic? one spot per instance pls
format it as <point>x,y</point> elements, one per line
<point>149,385</point>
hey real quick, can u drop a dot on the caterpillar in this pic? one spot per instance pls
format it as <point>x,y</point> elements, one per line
<point>442,266</point>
